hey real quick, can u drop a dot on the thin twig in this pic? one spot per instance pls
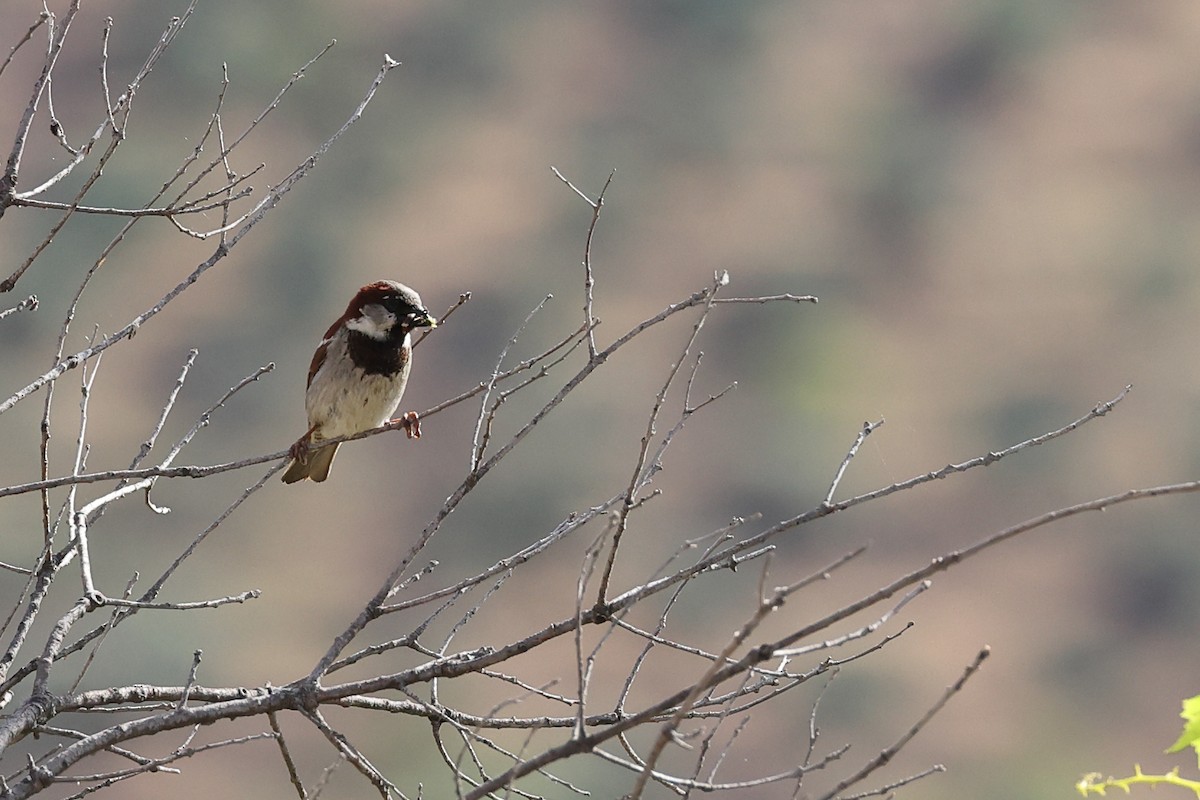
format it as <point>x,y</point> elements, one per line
<point>191,680</point>
<point>43,17</point>
<point>483,423</point>
<point>274,197</point>
<point>597,205</point>
<point>353,755</point>
<point>286,754</point>
<point>986,460</point>
<point>867,429</point>
<point>106,629</point>
<point>888,753</point>
<point>636,480</point>
<point>56,35</point>
<point>28,304</point>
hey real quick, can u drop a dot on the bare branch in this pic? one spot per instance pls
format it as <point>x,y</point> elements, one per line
<point>353,755</point>
<point>597,205</point>
<point>28,304</point>
<point>636,480</point>
<point>286,754</point>
<point>486,415</point>
<point>867,429</point>
<point>120,107</point>
<point>609,673</point>
<point>770,298</point>
<point>274,197</point>
<point>888,753</point>
<point>56,34</point>
<point>43,18</point>
<point>986,460</point>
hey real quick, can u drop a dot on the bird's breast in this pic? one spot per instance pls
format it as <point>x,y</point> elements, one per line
<point>347,396</point>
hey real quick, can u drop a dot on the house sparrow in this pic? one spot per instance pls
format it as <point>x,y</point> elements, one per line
<point>358,374</point>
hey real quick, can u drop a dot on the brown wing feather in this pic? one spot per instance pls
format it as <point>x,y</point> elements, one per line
<point>319,356</point>
<point>353,310</point>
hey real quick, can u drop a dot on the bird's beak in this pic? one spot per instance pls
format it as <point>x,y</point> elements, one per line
<point>420,319</point>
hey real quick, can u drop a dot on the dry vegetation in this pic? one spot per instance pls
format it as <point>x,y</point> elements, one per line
<point>427,678</point>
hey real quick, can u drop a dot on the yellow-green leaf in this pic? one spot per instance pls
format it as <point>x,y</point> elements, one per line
<point>1191,729</point>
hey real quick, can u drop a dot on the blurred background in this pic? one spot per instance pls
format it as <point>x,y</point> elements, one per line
<point>996,203</point>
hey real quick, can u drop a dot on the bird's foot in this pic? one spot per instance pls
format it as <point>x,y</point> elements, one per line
<point>411,424</point>
<point>299,451</point>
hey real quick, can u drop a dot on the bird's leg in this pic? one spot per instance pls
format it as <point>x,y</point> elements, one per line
<point>299,451</point>
<point>411,424</point>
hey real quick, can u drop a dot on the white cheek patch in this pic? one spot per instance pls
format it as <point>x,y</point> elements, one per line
<point>375,322</point>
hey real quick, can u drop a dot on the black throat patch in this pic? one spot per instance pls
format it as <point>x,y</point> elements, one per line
<point>378,357</point>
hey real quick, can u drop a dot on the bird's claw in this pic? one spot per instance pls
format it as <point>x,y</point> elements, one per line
<point>411,424</point>
<point>299,450</point>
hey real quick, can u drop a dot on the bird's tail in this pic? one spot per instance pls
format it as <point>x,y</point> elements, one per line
<point>313,465</point>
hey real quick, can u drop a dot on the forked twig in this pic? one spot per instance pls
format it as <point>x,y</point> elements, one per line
<point>597,205</point>
<point>251,220</point>
<point>867,429</point>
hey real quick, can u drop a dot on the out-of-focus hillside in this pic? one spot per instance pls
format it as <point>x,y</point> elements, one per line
<point>996,202</point>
